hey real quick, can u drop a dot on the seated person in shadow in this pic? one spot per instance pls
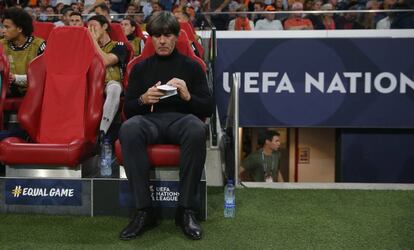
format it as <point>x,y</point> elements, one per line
<point>128,27</point>
<point>75,19</point>
<point>20,47</point>
<point>114,55</point>
<point>263,165</point>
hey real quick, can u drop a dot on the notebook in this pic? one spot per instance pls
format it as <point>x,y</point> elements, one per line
<point>168,90</point>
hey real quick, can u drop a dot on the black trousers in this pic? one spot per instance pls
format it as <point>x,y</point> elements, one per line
<point>170,128</point>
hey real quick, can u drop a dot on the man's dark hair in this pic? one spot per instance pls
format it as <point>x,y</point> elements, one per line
<point>162,7</point>
<point>75,13</point>
<point>267,135</point>
<point>21,19</point>
<point>103,6</point>
<point>131,5</point>
<point>262,4</point>
<point>131,21</point>
<point>101,20</point>
<point>163,23</point>
<point>66,9</point>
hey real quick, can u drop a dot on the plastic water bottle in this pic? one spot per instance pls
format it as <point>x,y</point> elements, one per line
<point>229,200</point>
<point>106,158</point>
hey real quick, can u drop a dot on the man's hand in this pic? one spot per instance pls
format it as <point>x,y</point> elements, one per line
<point>93,32</point>
<point>152,95</point>
<point>181,88</point>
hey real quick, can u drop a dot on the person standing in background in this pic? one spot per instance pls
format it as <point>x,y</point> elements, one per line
<point>263,165</point>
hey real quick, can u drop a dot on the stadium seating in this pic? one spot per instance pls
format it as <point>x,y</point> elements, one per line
<point>62,108</point>
<point>139,33</point>
<point>161,155</point>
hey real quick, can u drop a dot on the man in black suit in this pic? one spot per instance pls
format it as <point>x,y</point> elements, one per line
<point>172,120</point>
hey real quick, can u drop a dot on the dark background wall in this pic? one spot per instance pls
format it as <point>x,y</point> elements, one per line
<point>376,155</point>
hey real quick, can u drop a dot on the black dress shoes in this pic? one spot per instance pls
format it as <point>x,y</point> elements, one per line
<point>142,221</point>
<point>185,218</point>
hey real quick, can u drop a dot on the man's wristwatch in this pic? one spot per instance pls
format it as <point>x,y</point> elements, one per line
<point>141,101</point>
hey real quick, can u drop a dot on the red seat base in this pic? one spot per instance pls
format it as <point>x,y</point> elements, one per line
<point>15,150</point>
<point>160,155</point>
<point>12,104</point>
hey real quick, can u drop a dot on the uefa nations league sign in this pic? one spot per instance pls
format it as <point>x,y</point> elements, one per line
<point>43,192</point>
<point>320,82</point>
<point>163,194</point>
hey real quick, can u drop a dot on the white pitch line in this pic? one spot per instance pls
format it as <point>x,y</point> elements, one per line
<point>360,186</point>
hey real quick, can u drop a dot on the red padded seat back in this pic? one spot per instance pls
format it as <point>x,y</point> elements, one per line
<point>116,33</point>
<point>65,88</point>
<point>148,50</point>
<point>188,30</point>
<point>138,33</point>
<point>42,29</point>
<point>183,45</point>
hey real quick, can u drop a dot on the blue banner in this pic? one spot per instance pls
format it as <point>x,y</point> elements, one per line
<point>376,155</point>
<point>318,82</point>
<point>43,192</point>
<point>163,194</point>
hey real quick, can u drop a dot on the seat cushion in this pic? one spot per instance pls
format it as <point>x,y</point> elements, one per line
<point>160,155</point>
<point>15,150</point>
